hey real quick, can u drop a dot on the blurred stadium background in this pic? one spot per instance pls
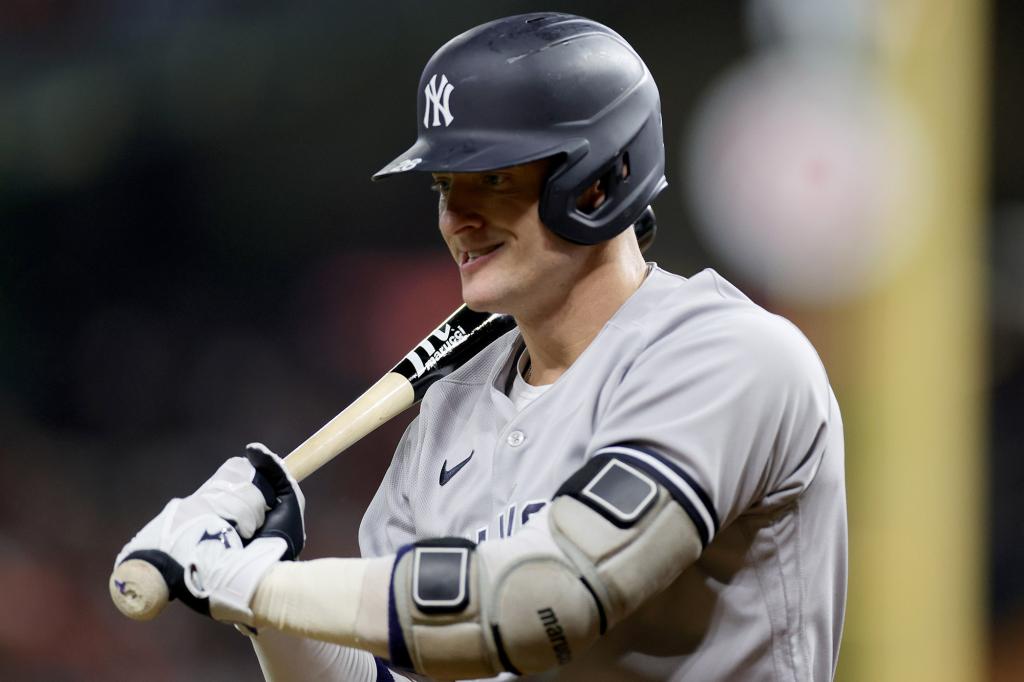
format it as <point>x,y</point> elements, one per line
<point>192,257</point>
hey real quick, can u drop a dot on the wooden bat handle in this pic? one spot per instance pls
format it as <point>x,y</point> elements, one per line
<point>138,588</point>
<point>386,399</point>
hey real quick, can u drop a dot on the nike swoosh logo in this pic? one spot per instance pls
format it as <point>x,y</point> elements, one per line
<point>446,473</point>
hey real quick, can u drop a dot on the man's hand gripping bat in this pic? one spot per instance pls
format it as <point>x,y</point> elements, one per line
<point>137,587</point>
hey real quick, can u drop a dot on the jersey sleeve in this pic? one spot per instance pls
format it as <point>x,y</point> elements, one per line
<point>388,522</point>
<point>730,416</point>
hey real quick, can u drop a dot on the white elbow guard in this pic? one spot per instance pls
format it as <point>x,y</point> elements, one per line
<point>613,536</point>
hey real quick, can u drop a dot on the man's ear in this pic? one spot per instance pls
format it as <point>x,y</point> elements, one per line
<point>591,198</point>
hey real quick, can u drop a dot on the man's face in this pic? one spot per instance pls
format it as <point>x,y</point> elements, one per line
<point>508,260</point>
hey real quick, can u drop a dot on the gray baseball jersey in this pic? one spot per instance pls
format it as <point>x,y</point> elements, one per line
<point>730,405</point>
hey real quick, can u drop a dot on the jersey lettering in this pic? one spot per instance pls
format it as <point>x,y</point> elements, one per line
<point>507,520</point>
<point>503,531</point>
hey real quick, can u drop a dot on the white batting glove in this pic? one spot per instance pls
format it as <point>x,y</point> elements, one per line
<point>215,546</point>
<point>232,493</point>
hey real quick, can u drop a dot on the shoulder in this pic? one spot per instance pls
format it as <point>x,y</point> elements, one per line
<point>704,324</point>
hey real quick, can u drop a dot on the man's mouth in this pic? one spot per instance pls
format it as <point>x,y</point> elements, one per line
<point>468,257</point>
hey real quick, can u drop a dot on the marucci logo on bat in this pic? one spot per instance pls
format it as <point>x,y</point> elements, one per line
<point>449,338</point>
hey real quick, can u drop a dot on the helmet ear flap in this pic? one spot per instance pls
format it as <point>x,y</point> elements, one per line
<point>592,196</point>
<point>630,180</point>
<point>616,176</point>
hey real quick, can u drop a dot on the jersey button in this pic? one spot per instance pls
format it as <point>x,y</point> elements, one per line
<point>516,438</point>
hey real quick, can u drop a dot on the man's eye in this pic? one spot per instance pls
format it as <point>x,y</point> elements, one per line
<point>494,180</point>
<point>440,186</point>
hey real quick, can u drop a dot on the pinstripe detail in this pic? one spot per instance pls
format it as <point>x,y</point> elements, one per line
<point>684,489</point>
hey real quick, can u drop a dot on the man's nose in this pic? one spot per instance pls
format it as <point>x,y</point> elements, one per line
<point>459,212</point>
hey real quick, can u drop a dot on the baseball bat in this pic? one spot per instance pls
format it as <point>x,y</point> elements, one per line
<point>138,588</point>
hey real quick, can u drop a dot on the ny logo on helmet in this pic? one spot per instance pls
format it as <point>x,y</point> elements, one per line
<point>438,97</point>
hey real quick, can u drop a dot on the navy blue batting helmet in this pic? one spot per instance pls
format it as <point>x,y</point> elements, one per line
<point>544,85</point>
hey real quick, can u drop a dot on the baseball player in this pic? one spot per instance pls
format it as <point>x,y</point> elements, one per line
<point>643,481</point>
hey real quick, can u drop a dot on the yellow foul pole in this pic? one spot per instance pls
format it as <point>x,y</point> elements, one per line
<point>911,380</point>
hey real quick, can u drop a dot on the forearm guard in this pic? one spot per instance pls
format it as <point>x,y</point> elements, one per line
<point>613,536</point>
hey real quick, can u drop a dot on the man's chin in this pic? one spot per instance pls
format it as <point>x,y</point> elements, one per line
<point>482,307</point>
<point>483,303</point>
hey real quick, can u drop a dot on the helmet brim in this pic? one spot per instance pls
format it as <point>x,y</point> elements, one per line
<point>475,153</point>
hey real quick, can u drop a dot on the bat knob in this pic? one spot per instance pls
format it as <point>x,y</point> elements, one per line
<point>138,590</point>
